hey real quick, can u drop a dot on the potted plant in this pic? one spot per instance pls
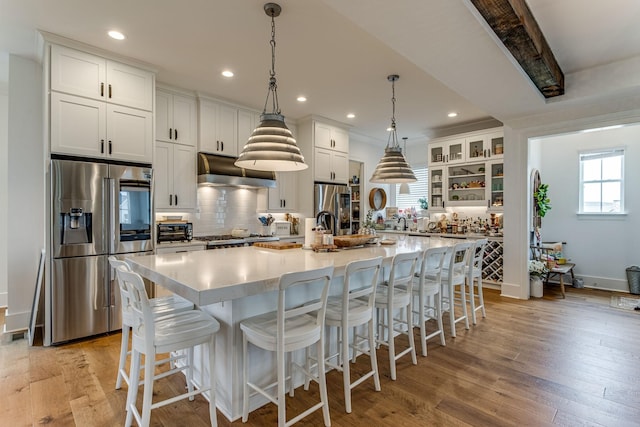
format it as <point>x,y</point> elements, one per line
<point>537,270</point>
<point>543,204</point>
<point>423,203</point>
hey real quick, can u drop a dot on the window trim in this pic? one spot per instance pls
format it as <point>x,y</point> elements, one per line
<point>601,153</point>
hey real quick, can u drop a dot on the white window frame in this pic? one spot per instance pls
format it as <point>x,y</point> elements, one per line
<point>594,154</point>
<point>413,187</point>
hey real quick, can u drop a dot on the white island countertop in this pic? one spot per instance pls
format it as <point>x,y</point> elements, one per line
<point>208,277</point>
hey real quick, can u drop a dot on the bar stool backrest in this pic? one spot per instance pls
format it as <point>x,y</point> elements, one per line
<point>116,265</point>
<point>458,262</point>
<point>367,271</point>
<point>143,326</point>
<point>315,301</point>
<point>432,263</point>
<point>475,261</point>
<point>403,268</point>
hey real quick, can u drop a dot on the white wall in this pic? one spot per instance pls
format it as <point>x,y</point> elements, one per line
<point>4,178</point>
<point>601,247</point>
<point>26,195</point>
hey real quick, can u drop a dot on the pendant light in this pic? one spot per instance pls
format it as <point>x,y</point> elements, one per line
<point>392,167</point>
<point>404,187</point>
<point>271,146</point>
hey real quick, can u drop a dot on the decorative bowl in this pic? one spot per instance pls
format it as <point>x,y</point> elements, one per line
<point>352,240</point>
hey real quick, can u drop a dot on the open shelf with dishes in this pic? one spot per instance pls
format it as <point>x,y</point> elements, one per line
<point>466,185</point>
<point>355,172</point>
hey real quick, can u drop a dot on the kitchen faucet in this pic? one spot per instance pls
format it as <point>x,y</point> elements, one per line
<point>321,219</point>
<point>404,228</point>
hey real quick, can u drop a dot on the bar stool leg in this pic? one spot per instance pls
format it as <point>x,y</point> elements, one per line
<point>323,382</point>
<point>124,348</point>
<point>245,376</point>
<point>212,381</point>
<point>134,380</point>
<point>149,364</point>
<point>346,370</point>
<point>392,344</point>
<point>373,356</point>
<point>281,386</point>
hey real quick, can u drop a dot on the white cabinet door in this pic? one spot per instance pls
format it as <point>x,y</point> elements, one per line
<point>284,197</point>
<point>129,134</point>
<point>322,165</point>
<point>130,86</point>
<point>175,176</point>
<point>164,116</point>
<point>78,125</point>
<point>163,175</point>
<point>184,176</point>
<point>340,140</point>
<point>322,136</point>
<point>218,128</point>
<point>185,120</point>
<point>77,73</point>
<point>340,166</point>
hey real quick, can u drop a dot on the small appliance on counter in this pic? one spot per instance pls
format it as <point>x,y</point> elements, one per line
<point>174,231</point>
<point>282,228</point>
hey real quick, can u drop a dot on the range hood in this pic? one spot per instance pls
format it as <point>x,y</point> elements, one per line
<point>221,171</point>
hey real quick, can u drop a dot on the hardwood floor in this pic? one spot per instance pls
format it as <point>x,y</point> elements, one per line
<point>549,361</point>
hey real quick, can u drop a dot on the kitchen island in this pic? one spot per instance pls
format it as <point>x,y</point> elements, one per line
<point>237,283</point>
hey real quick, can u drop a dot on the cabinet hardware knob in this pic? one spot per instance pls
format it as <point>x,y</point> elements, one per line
<point>109,91</point>
<point>176,199</point>
<point>170,133</point>
<point>102,146</point>
<point>175,134</point>
<point>217,145</point>
<point>221,145</point>
<point>170,199</point>
<point>101,89</point>
<point>109,147</point>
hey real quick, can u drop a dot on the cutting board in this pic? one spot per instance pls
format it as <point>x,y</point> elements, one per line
<point>278,245</point>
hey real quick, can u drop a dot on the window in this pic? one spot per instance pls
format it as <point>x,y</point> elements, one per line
<point>602,181</point>
<point>417,190</point>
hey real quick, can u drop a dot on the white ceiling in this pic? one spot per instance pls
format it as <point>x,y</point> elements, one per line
<point>339,53</point>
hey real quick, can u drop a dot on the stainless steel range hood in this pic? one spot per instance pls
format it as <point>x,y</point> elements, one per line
<point>221,171</point>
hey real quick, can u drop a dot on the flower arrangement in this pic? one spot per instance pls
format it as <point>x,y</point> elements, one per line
<point>537,268</point>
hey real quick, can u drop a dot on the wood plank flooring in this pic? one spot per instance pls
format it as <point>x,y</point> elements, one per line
<point>542,362</point>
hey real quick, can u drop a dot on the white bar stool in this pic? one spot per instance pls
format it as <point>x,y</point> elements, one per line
<point>160,306</point>
<point>397,295</point>
<point>355,308</point>
<point>152,336</point>
<point>455,284</point>
<point>474,278</point>
<point>428,293</point>
<point>288,329</point>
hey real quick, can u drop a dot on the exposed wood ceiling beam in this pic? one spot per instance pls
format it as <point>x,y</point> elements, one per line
<point>515,26</point>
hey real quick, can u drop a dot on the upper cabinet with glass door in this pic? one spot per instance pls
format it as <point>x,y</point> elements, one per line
<point>485,146</point>
<point>448,151</point>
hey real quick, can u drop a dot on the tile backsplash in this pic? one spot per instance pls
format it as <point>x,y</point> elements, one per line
<point>220,209</point>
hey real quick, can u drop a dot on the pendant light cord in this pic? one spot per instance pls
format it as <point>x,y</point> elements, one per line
<point>273,86</point>
<point>393,136</point>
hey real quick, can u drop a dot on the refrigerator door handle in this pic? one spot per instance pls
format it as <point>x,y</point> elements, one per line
<point>113,217</point>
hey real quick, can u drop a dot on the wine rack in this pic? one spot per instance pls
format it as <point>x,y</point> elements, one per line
<point>492,270</point>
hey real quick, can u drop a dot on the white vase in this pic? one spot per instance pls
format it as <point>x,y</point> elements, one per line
<point>536,286</point>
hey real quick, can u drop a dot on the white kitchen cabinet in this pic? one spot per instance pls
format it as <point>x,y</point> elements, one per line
<point>175,177</point>
<point>86,127</point>
<point>484,146</point>
<point>448,151</point>
<point>495,185</point>
<point>466,185</point>
<point>91,76</point>
<point>283,198</point>
<point>176,118</point>
<point>437,189</point>
<point>217,128</point>
<point>331,137</point>
<point>247,122</point>
<point>331,166</point>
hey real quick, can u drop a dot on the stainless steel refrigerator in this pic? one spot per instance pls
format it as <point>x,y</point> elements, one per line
<point>332,207</point>
<point>97,210</point>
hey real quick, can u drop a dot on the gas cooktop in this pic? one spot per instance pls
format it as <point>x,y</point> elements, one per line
<point>229,241</point>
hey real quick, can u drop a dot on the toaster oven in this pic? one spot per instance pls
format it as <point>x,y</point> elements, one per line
<point>174,231</point>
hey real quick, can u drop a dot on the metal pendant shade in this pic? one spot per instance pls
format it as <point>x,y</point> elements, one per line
<point>392,167</point>
<point>271,146</point>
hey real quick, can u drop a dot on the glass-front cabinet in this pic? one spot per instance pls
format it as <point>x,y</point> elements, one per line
<point>437,189</point>
<point>466,185</point>
<point>450,152</point>
<point>495,177</point>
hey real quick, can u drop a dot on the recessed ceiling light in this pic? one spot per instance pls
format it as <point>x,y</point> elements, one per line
<point>301,98</point>
<point>350,116</point>
<point>116,35</point>
<point>227,73</point>
<point>452,114</point>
